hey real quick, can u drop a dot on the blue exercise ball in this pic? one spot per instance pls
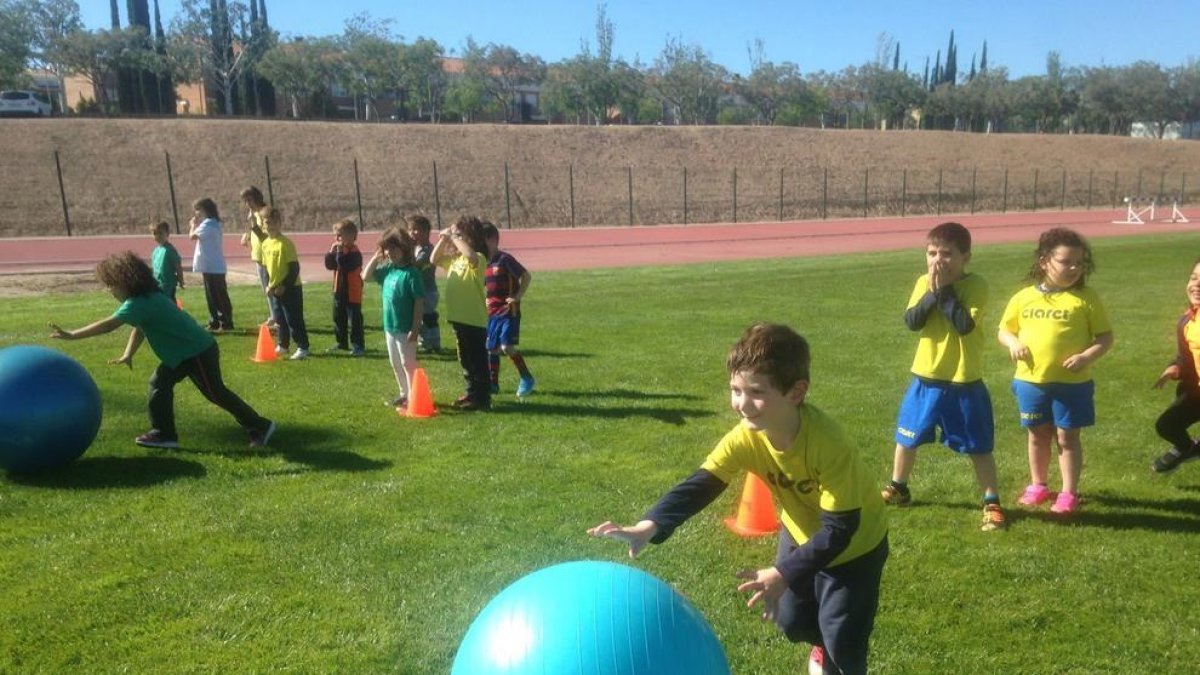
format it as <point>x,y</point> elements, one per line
<point>589,618</point>
<point>49,409</point>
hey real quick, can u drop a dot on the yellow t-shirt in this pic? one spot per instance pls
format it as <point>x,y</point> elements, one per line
<point>277,254</point>
<point>463,289</point>
<point>255,244</point>
<point>1054,326</point>
<point>943,354</point>
<point>822,471</point>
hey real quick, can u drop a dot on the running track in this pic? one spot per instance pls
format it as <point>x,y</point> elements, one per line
<point>586,248</point>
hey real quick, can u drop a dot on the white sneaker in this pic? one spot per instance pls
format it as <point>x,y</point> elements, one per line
<point>298,355</point>
<point>280,350</point>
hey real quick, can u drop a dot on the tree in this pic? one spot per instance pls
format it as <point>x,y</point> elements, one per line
<point>16,37</point>
<point>424,78</point>
<point>499,71</point>
<point>98,55</point>
<point>371,63</point>
<point>689,82</point>
<point>201,39</point>
<point>301,68</point>
<point>772,88</point>
<point>51,22</point>
<point>891,93</point>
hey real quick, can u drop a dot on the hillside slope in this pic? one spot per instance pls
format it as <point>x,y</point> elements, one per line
<point>115,172</point>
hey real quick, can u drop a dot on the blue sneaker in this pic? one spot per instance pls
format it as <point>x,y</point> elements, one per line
<point>526,386</point>
<point>495,388</point>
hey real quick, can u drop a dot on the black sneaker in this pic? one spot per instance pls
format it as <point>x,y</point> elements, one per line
<point>1172,458</point>
<point>155,439</point>
<point>259,439</point>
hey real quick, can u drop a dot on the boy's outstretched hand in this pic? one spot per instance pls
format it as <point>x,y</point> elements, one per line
<point>637,536</point>
<point>768,586</point>
<point>58,333</point>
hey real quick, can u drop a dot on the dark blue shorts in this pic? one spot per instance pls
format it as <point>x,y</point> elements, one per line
<point>962,411</point>
<point>502,331</point>
<point>1068,406</point>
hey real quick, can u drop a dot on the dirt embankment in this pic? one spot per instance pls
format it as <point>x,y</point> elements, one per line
<point>115,176</point>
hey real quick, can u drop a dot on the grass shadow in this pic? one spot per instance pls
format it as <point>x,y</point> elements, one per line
<point>673,416</point>
<point>630,394</point>
<point>113,472</point>
<point>548,354</point>
<point>317,448</point>
<point>1134,516</point>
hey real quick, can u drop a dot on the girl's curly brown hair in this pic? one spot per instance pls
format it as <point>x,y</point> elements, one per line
<point>127,272</point>
<point>471,228</point>
<point>1052,239</point>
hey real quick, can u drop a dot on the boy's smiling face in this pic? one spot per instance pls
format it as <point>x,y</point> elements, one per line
<point>761,405</point>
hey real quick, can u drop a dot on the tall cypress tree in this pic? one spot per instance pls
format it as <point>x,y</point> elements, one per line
<point>950,73</point>
<point>896,58</point>
<point>983,59</point>
<point>166,84</point>
<point>266,90</point>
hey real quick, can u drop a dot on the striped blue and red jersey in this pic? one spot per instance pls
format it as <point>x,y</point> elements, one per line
<point>501,281</point>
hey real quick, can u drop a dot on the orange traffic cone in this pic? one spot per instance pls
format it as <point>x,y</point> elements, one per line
<point>756,512</point>
<point>420,400</point>
<point>266,346</point>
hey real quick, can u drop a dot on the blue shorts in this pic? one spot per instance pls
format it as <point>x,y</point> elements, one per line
<point>962,411</point>
<point>502,331</point>
<point>1069,406</point>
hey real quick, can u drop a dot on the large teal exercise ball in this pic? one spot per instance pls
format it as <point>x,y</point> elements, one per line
<point>589,618</point>
<point>49,409</point>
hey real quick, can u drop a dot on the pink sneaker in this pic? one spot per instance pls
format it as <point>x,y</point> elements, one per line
<point>816,661</point>
<point>1067,502</point>
<point>1034,494</point>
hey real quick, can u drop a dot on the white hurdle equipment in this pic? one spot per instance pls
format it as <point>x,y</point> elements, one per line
<point>1134,215</point>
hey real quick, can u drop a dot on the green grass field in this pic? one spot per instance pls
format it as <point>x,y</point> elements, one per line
<point>364,542</point>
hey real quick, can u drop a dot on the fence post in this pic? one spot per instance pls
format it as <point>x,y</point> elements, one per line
<point>1091,174</point>
<point>362,223</point>
<point>1063,205</point>
<point>437,198</point>
<point>1183,188</point>
<point>866,190</point>
<point>507,200</point>
<point>1116,183</point>
<point>939,194</point>
<point>62,193</point>
<point>1035,188</point>
<point>1162,183</point>
<point>171,188</point>
<point>685,203</point>
<point>1139,183</point>
<point>825,194</point>
<point>735,194</point>
<point>904,193</point>
<point>781,194</point>
<point>270,187</point>
<point>629,171</point>
<point>974,179</point>
<point>571,184</point>
<point>1004,203</point>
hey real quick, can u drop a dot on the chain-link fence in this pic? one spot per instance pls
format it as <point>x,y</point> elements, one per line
<point>125,188</point>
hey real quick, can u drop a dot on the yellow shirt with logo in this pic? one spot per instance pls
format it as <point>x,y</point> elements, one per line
<point>822,471</point>
<point>943,354</point>
<point>1054,326</point>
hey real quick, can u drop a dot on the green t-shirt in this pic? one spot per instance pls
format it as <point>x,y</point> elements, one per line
<point>173,335</point>
<point>402,286</point>
<point>164,261</point>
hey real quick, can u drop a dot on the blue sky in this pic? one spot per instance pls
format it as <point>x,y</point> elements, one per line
<point>815,35</point>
